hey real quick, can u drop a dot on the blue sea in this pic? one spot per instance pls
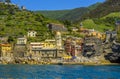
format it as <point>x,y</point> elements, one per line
<point>59,72</point>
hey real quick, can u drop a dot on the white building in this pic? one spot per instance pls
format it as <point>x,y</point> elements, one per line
<point>32,33</point>
<point>74,29</point>
<point>23,8</point>
<point>22,40</point>
<point>36,45</point>
<point>91,30</point>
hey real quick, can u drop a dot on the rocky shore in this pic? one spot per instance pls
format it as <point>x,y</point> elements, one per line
<point>100,60</point>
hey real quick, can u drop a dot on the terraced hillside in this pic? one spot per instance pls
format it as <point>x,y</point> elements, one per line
<point>16,22</point>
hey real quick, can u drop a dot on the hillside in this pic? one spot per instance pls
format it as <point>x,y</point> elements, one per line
<point>75,14</point>
<point>70,15</point>
<point>104,16</point>
<point>54,14</point>
<point>102,24</point>
<point>105,8</point>
<point>15,22</point>
<point>94,11</point>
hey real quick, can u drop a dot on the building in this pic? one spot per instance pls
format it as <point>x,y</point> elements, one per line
<point>56,27</point>
<point>6,50</point>
<point>58,40</point>
<point>91,30</point>
<point>73,46</point>
<point>110,36</point>
<point>49,44</point>
<point>22,40</point>
<point>32,33</point>
<point>82,29</point>
<point>92,47</point>
<point>78,46</point>
<point>113,35</point>
<point>46,49</point>
<point>117,26</point>
<point>34,49</point>
<point>36,45</point>
<point>23,7</point>
<point>96,34</point>
<point>54,47</point>
<point>74,29</point>
<point>3,39</point>
<point>20,48</point>
<point>67,47</point>
<point>42,49</point>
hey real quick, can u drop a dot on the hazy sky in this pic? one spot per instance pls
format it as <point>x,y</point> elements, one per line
<point>54,4</point>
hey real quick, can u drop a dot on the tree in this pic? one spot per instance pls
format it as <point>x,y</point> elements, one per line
<point>10,39</point>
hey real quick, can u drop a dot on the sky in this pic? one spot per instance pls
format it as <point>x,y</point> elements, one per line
<point>54,4</point>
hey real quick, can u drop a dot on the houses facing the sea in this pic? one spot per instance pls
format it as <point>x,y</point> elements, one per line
<point>57,47</point>
<point>23,48</point>
<point>73,46</point>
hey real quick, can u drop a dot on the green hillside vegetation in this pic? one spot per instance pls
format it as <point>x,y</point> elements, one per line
<point>114,14</point>
<point>74,15</point>
<point>90,24</point>
<point>15,22</point>
<point>97,10</point>
<point>70,15</point>
<point>104,23</point>
<point>105,16</point>
<point>54,14</point>
<point>94,6</point>
<point>109,6</point>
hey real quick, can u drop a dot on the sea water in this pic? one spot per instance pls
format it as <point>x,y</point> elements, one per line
<point>59,72</point>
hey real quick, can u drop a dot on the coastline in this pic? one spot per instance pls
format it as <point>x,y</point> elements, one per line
<point>87,64</point>
<point>78,61</point>
<point>63,63</point>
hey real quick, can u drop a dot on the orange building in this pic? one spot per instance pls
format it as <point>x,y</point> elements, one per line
<point>97,35</point>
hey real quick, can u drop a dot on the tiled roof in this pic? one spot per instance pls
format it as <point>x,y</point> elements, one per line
<point>5,45</point>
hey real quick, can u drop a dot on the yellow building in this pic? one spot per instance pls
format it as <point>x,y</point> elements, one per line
<point>97,35</point>
<point>5,50</point>
<point>43,49</point>
<point>49,44</point>
<point>103,36</point>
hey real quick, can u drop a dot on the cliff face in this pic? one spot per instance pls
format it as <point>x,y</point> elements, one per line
<point>114,55</point>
